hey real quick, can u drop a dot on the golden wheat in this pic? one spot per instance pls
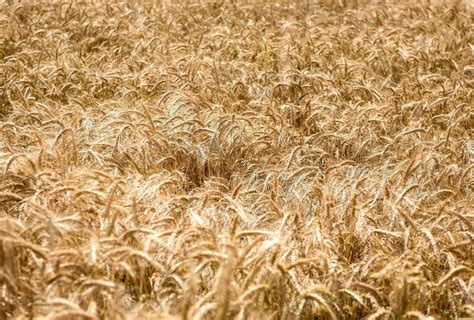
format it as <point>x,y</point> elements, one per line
<point>229,159</point>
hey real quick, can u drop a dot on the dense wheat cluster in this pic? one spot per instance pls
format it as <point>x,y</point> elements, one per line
<point>236,160</point>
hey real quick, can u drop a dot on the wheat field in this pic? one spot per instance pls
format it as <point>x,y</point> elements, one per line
<point>236,159</point>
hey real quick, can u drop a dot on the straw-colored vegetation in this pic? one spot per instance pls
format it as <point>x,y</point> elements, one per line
<point>236,160</point>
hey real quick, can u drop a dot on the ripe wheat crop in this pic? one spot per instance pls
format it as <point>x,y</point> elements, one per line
<point>236,159</point>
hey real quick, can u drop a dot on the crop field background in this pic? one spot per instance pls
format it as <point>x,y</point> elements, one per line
<point>236,159</point>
